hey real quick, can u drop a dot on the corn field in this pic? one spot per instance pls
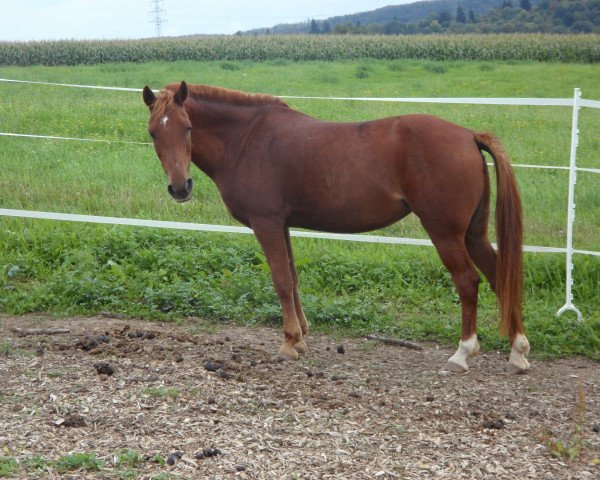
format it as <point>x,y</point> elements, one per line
<point>543,48</point>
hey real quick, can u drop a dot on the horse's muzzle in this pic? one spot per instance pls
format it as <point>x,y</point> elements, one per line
<point>182,195</point>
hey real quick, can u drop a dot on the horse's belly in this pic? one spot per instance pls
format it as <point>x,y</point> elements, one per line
<point>361,215</point>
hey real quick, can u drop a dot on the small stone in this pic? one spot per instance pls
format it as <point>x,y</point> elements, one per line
<point>240,468</point>
<point>430,398</point>
<point>309,373</point>
<point>341,349</point>
<point>178,454</point>
<point>253,363</point>
<point>328,348</point>
<point>596,428</point>
<point>223,374</point>
<point>208,452</point>
<point>228,339</point>
<point>199,455</point>
<point>171,459</point>
<point>216,452</point>
<point>510,416</point>
<point>179,358</point>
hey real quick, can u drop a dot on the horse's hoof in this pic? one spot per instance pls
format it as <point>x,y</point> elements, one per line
<point>456,368</point>
<point>522,367</point>
<point>301,347</point>
<point>517,363</point>
<point>287,353</point>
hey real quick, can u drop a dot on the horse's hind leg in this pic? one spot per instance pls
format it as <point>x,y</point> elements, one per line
<point>478,245</point>
<point>484,256</point>
<point>272,238</point>
<point>453,253</point>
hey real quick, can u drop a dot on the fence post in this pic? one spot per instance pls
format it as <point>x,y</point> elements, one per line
<point>571,208</point>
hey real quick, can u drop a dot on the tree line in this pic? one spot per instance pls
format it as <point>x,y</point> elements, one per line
<point>548,16</point>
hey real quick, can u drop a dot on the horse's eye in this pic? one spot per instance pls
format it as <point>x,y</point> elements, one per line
<point>188,129</point>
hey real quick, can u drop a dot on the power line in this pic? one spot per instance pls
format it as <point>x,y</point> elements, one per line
<point>156,15</point>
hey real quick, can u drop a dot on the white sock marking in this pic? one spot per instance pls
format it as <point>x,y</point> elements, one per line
<point>520,348</point>
<point>466,349</point>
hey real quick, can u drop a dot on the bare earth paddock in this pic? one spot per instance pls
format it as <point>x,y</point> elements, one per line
<point>374,411</point>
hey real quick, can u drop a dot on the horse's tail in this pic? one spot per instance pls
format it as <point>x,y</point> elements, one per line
<point>509,234</point>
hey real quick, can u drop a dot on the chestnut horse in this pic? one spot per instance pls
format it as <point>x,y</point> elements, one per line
<point>277,168</point>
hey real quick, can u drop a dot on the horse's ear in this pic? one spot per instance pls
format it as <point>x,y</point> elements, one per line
<point>149,97</point>
<point>182,93</point>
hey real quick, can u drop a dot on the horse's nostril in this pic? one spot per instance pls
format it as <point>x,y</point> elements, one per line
<point>190,184</point>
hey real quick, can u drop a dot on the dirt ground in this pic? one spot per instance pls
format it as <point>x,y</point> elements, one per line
<point>373,411</point>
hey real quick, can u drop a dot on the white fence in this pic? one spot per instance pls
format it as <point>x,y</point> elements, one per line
<point>575,103</point>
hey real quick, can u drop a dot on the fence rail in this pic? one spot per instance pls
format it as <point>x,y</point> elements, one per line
<point>575,104</point>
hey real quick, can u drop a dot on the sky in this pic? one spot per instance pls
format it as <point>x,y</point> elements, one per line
<point>26,20</point>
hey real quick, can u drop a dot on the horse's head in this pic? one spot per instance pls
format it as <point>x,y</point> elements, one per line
<point>170,129</point>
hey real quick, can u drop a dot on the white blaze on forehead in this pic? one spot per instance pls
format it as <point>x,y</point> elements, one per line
<point>164,120</point>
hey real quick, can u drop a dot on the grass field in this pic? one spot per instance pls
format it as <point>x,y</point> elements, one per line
<point>65,268</point>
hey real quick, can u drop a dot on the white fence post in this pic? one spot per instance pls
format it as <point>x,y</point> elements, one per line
<point>571,208</point>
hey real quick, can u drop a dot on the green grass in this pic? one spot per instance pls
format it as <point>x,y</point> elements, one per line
<point>77,462</point>
<point>162,392</point>
<point>8,467</point>
<point>78,269</point>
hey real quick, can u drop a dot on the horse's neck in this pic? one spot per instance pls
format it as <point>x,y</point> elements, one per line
<point>217,130</point>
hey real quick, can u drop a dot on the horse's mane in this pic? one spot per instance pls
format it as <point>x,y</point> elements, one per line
<point>165,99</point>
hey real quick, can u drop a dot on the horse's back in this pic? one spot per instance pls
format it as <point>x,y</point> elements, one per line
<point>352,177</point>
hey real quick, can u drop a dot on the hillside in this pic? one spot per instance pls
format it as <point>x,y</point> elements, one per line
<point>458,16</point>
<point>406,13</point>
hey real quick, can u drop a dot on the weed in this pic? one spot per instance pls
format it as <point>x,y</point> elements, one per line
<point>7,349</point>
<point>571,448</point>
<point>78,461</point>
<point>435,68</point>
<point>230,66</point>
<point>165,476</point>
<point>127,459</point>
<point>35,463</point>
<point>362,71</point>
<point>396,67</point>
<point>8,467</point>
<point>161,392</point>
<point>56,373</point>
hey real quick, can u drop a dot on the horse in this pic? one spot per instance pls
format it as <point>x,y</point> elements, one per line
<point>276,168</point>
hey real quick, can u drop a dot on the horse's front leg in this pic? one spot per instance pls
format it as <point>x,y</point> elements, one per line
<point>272,237</point>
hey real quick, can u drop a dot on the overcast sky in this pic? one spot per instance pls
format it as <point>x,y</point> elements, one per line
<point>23,20</point>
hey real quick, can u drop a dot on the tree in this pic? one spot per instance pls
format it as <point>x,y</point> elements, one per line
<point>472,17</point>
<point>314,27</point>
<point>393,28</point>
<point>525,5</point>
<point>460,15</point>
<point>507,4</point>
<point>326,27</point>
<point>444,18</point>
